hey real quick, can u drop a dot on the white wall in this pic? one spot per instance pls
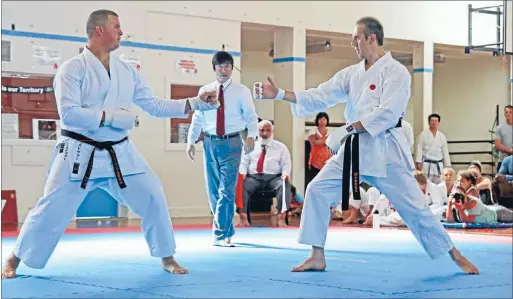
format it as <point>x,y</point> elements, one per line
<point>465,94</point>
<point>205,25</point>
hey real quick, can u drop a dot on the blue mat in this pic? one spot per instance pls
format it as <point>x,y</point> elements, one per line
<point>362,263</point>
<point>477,225</point>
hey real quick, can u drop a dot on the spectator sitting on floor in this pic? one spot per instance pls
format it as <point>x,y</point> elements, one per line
<point>448,181</point>
<point>483,184</point>
<point>265,168</point>
<point>358,209</point>
<point>466,206</point>
<point>503,184</point>
<point>296,203</point>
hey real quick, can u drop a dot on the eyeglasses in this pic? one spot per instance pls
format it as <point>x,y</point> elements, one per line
<point>224,65</point>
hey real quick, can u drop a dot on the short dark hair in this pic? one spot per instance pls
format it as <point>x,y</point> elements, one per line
<point>373,26</point>
<point>322,115</point>
<point>98,17</point>
<point>434,115</point>
<point>508,107</point>
<point>221,57</point>
<point>469,176</point>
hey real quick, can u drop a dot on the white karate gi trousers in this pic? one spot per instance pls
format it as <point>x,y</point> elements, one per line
<point>45,224</point>
<point>399,186</point>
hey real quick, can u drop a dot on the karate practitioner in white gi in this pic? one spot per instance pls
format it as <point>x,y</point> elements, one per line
<point>94,93</point>
<point>432,153</point>
<point>376,91</point>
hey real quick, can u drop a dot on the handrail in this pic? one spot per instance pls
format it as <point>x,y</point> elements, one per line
<point>471,153</point>
<point>470,141</point>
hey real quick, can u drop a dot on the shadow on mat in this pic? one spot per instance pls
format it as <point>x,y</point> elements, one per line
<point>435,279</point>
<point>328,251</point>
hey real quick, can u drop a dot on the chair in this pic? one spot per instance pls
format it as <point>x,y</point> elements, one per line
<point>261,201</point>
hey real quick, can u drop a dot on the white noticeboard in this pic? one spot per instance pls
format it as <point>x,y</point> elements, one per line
<point>10,126</point>
<point>133,61</point>
<point>46,58</point>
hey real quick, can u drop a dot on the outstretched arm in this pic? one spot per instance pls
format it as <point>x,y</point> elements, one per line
<point>145,98</point>
<point>313,100</point>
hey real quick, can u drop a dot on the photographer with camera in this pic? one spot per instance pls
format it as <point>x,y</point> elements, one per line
<point>465,205</point>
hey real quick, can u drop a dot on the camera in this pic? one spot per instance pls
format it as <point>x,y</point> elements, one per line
<point>459,197</point>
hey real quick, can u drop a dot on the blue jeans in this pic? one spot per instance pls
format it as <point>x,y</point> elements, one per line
<point>222,159</point>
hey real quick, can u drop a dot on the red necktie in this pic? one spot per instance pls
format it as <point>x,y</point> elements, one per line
<point>220,114</point>
<point>260,163</point>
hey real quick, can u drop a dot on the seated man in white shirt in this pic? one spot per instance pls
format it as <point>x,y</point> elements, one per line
<point>265,169</point>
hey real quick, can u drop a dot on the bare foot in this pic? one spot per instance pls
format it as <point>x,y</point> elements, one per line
<point>281,220</point>
<point>351,220</point>
<point>10,266</point>
<point>274,220</point>
<point>311,264</point>
<point>170,265</point>
<point>463,263</point>
<point>244,219</point>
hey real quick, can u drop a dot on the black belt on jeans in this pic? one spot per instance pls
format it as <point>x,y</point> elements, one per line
<point>352,159</point>
<point>227,136</point>
<point>106,145</point>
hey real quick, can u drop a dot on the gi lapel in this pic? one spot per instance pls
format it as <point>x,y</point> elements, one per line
<point>366,76</point>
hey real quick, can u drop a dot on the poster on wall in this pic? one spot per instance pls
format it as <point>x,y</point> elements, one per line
<point>46,58</point>
<point>133,61</point>
<point>27,89</point>
<point>45,129</point>
<point>10,126</point>
<point>183,131</point>
<point>187,66</point>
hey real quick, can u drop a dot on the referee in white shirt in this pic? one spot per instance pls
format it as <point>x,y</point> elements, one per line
<point>222,143</point>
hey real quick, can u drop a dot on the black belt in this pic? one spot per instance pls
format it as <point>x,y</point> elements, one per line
<point>433,162</point>
<point>352,159</point>
<point>227,136</point>
<point>106,145</point>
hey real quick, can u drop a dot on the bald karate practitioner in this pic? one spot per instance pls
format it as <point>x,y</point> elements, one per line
<point>376,92</point>
<point>94,93</point>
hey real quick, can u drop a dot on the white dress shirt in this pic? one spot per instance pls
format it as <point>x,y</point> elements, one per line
<point>277,159</point>
<point>239,112</point>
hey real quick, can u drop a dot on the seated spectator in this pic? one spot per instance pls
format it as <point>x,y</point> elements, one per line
<point>319,153</point>
<point>503,185</point>
<point>388,214</point>
<point>465,206</point>
<point>504,136</point>
<point>265,168</point>
<point>483,184</point>
<point>434,198</point>
<point>448,180</point>
<point>296,203</point>
<point>358,209</point>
